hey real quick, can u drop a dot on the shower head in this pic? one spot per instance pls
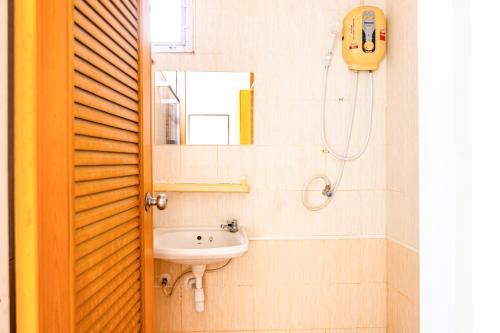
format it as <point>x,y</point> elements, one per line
<point>335,28</point>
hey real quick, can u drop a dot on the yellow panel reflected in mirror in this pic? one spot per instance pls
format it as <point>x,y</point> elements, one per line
<point>203,108</point>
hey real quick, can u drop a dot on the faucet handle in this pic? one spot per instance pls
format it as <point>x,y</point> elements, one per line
<point>231,225</point>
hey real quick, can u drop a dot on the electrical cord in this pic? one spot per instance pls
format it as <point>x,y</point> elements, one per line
<point>210,270</point>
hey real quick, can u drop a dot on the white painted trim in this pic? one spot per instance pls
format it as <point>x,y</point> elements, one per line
<point>187,46</point>
<point>400,243</point>
<point>314,237</point>
<point>4,215</point>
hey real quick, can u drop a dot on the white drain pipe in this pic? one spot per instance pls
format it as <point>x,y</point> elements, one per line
<point>199,295</point>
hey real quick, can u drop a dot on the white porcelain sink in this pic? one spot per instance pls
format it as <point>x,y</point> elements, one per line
<point>202,245</point>
<point>199,247</point>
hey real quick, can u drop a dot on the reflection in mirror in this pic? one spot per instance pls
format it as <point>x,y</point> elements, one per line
<point>203,108</point>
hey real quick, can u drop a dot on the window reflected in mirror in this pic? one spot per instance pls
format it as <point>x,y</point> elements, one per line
<point>203,108</point>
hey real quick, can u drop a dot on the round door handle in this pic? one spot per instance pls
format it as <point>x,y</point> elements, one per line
<point>160,201</point>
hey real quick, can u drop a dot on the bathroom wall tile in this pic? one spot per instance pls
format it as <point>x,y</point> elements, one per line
<point>317,285</point>
<point>285,168</point>
<point>317,330</point>
<point>272,308</point>
<point>348,261</point>
<point>403,315</point>
<point>162,267</point>
<point>357,330</point>
<point>403,270</point>
<point>263,290</point>
<point>198,163</point>
<point>338,118</point>
<point>302,163</point>
<point>340,305</point>
<point>356,213</point>
<point>402,155</point>
<point>402,217</point>
<point>402,124</point>
<point>237,206</point>
<point>168,311</point>
<point>287,117</point>
<point>365,173</point>
<point>402,168</point>
<point>190,209</point>
<point>196,321</point>
<point>166,162</point>
<point>235,162</point>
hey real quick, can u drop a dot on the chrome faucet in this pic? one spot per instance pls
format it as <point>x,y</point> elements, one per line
<point>231,225</point>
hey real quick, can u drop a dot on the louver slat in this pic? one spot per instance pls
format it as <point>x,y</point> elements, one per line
<point>106,124</point>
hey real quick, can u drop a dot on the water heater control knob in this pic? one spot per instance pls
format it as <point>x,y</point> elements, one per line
<point>369,46</point>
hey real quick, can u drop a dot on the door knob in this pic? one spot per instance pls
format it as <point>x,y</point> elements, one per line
<point>160,201</point>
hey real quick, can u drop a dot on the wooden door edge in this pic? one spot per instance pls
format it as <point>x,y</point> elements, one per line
<point>42,177</point>
<point>146,169</point>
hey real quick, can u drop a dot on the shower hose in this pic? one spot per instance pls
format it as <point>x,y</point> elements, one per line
<point>329,190</point>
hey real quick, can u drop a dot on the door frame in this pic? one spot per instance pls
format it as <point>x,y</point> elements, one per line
<point>4,166</point>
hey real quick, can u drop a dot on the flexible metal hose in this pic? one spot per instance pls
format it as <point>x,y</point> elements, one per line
<point>344,157</point>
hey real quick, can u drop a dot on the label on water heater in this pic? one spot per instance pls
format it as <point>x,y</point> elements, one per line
<point>368,31</point>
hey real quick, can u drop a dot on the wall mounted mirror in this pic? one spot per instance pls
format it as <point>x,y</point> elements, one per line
<point>203,108</point>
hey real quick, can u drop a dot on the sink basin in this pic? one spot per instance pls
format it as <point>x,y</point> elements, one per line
<point>202,245</point>
<point>198,247</point>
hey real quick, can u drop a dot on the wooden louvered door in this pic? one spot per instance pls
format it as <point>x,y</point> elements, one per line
<point>82,146</point>
<point>111,137</point>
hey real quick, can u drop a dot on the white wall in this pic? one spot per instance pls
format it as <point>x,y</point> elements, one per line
<point>437,202</point>
<point>484,127</point>
<point>442,176</point>
<point>459,166</point>
<point>4,234</point>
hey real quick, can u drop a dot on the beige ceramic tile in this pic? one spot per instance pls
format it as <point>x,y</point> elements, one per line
<point>167,311</point>
<point>263,290</point>
<point>402,168</point>
<point>282,285</point>
<point>166,162</point>
<point>403,270</point>
<point>357,330</point>
<point>348,261</point>
<point>281,213</point>
<point>339,305</point>
<point>190,209</point>
<point>198,163</point>
<point>402,217</point>
<point>402,124</point>
<point>287,122</point>
<point>365,173</point>
<point>235,162</point>
<point>403,315</point>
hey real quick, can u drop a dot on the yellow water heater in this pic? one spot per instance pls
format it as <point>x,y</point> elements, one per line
<point>364,38</point>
